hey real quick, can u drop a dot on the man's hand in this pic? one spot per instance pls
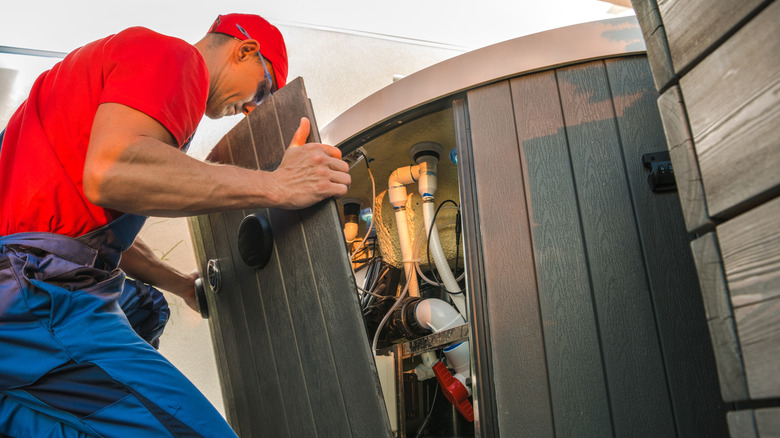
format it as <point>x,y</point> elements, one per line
<point>309,172</point>
<point>185,289</point>
<point>140,262</point>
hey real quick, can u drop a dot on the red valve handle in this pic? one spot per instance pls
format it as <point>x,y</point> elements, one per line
<point>455,392</point>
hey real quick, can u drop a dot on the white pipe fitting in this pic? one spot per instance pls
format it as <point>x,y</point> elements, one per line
<point>426,154</point>
<point>438,315</point>
<point>351,214</point>
<point>440,260</point>
<point>396,191</point>
<point>350,231</point>
<point>424,371</point>
<point>396,184</point>
<point>458,358</point>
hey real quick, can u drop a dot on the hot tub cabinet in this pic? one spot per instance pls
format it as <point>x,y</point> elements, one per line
<point>585,316</point>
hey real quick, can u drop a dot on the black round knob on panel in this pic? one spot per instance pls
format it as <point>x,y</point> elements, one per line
<point>255,241</point>
<point>200,298</point>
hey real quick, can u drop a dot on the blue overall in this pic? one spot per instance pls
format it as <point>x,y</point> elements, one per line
<point>71,361</point>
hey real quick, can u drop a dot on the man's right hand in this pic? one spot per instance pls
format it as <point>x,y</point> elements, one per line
<point>309,172</point>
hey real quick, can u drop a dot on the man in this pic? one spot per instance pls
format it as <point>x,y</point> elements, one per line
<point>93,149</point>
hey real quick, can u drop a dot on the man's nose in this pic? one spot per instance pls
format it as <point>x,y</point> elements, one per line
<point>248,107</point>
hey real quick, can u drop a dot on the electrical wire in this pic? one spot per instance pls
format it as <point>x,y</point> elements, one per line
<point>457,241</point>
<point>373,206</point>
<point>416,252</point>
<point>368,227</point>
<point>389,312</point>
<point>373,276</point>
<point>370,293</point>
<point>430,230</point>
<point>430,411</point>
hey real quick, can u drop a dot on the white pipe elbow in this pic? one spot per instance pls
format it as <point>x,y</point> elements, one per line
<point>437,315</point>
<point>396,184</point>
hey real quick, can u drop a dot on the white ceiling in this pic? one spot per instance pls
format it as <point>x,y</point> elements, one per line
<point>62,25</point>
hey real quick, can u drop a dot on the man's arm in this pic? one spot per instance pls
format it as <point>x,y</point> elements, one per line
<point>140,263</point>
<point>131,167</point>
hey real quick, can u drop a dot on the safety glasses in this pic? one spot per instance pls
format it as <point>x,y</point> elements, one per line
<point>266,86</point>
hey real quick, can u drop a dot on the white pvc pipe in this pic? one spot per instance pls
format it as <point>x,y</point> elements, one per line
<point>427,187</point>
<point>438,315</point>
<point>396,192</point>
<point>434,246</point>
<point>406,251</point>
<point>458,358</point>
<point>396,184</point>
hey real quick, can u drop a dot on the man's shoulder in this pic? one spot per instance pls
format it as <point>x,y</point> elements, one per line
<point>147,39</point>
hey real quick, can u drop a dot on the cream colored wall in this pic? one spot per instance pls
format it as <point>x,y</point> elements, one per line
<point>339,70</point>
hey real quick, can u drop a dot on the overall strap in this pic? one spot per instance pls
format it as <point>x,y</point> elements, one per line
<point>101,248</point>
<point>57,244</point>
<point>114,238</point>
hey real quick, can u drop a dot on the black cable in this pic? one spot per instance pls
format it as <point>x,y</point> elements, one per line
<point>365,157</point>
<point>367,282</point>
<point>433,222</point>
<point>430,411</point>
<point>457,240</point>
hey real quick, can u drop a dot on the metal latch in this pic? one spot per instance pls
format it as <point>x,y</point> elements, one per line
<point>661,178</point>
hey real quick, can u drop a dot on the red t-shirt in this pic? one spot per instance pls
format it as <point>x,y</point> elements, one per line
<point>45,144</point>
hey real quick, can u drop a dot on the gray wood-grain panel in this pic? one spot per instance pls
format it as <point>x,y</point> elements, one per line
<point>291,345</point>
<point>732,100</point>
<point>686,165</point>
<point>518,359</point>
<point>339,306</point>
<point>720,318</point>
<point>233,335</point>
<point>244,371</point>
<point>695,26</point>
<point>633,364</point>
<point>224,351</point>
<point>241,148</point>
<point>674,291</point>
<point>577,388</point>
<point>482,383</point>
<point>271,284</point>
<point>202,244</point>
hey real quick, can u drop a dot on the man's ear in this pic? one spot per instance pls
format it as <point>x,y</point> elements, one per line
<point>247,49</point>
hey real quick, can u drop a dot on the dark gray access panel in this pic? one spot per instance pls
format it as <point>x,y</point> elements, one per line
<point>292,352</point>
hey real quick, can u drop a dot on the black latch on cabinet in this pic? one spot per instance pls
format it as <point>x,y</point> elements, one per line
<point>661,176</point>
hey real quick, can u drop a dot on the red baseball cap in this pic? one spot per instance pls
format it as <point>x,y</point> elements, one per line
<point>272,45</point>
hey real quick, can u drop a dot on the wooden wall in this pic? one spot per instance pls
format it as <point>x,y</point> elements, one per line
<point>717,66</point>
<point>292,352</point>
<point>588,310</point>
